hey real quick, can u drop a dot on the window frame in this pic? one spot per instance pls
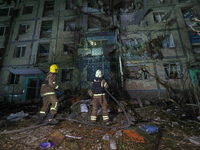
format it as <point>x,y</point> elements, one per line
<point>96,40</point>
<point>42,30</point>
<point>23,11</point>
<point>21,51</point>
<point>20,26</point>
<point>45,7</point>
<point>68,23</point>
<point>68,43</point>
<point>4,32</point>
<point>9,11</point>
<point>71,76</point>
<point>135,65</point>
<point>171,40</point>
<point>159,19</point>
<point>70,4</point>
<point>10,78</point>
<point>178,67</point>
<point>1,57</point>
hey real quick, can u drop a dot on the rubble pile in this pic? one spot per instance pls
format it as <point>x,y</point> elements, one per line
<point>165,126</point>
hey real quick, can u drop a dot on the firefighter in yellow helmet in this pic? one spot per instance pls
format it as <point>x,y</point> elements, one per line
<point>48,94</point>
<point>99,96</point>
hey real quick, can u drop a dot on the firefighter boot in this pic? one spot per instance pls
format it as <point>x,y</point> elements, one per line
<point>51,120</point>
<point>40,119</point>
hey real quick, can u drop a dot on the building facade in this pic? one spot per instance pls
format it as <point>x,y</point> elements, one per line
<point>135,44</point>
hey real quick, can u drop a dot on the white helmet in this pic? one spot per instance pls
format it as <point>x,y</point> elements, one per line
<point>98,74</point>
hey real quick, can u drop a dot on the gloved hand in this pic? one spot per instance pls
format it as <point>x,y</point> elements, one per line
<point>59,89</point>
<point>90,92</point>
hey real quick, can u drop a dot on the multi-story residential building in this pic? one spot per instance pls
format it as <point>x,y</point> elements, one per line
<point>137,44</point>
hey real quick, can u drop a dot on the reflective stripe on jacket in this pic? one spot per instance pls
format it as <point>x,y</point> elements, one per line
<point>48,93</point>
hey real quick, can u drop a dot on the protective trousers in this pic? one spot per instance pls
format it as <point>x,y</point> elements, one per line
<point>96,100</point>
<point>47,100</point>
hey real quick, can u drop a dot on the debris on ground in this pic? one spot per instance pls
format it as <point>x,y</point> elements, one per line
<point>17,116</point>
<point>179,129</point>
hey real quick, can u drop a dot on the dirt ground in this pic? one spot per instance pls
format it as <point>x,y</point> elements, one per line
<point>174,133</point>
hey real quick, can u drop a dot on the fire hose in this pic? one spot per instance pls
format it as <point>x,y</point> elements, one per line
<point>103,126</point>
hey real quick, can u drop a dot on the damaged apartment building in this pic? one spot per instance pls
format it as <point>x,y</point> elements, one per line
<point>138,44</point>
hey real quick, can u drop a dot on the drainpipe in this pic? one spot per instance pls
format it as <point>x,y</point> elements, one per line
<point>120,59</point>
<point>13,89</point>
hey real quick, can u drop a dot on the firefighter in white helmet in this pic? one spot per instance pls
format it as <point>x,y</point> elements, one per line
<point>48,94</point>
<point>99,96</point>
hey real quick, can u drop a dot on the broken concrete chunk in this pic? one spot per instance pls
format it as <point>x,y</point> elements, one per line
<point>146,102</point>
<point>107,137</point>
<point>118,133</point>
<point>195,140</point>
<point>113,144</point>
<point>84,108</point>
<point>139,102</point>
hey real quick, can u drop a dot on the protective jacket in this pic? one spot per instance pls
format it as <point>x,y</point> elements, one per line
<point>99,97</point>
<point>48,85</point>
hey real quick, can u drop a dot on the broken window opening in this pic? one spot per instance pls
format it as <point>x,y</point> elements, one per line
<point>172,71</point>
<point>4,30</point>
<point>67,75</point>
<point>92,24</point>
<point>158,16</point>
<point>134,72</point>
<point>28,9</point>
<point>6,11</point>
<point>70,4</point>
<point>2,49</point>
<point>48,9</point>
<point>12,78</point>
<point>68,48</point>
<point>189,15</point>
<point>43,52</point>
<point>167,41</point>
<point>194,38</point>
<point>91,3</point>
<point>196,49</point>
<point>69,25</point>
<point>19,51</point>
<point>97,43</point>
<point>24,28</point>
<point>46,29</point>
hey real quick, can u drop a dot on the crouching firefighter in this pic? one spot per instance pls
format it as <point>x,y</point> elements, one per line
<point>48,94</point>
<point>99,97</point>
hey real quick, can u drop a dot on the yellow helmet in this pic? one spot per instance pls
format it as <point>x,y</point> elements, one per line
<point>54,68</point>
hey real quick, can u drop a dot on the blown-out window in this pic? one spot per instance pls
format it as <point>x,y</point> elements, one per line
<point>28,9</point>
<point>6,11</point>
<point>3,30</point>
<point>43,52</point>
<point>172,71</point>
<point>158,16</point>
<point>68,48</point>
<point>69,25</point>
<point>67,75</point>
<point>48,9</point>
<point>46,29</point>
<point>19,51</point>
<point>24,28</point>
<point>133,72</point>
<point>2,49</point>
<point>13,79</point>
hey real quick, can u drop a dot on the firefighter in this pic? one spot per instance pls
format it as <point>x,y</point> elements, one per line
<point>48,94</point>
<point>99,97</point>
